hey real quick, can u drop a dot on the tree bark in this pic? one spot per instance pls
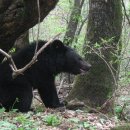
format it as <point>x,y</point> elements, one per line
<point>72,28</point>
<point>104,21</point>
<point>17,16</point>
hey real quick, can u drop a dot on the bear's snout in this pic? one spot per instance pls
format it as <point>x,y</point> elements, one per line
<point>85,66</point>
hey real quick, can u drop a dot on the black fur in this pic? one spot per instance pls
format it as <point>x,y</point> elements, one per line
<point>55,58</point>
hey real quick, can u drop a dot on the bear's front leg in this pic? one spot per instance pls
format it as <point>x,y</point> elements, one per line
<point>49,95</point>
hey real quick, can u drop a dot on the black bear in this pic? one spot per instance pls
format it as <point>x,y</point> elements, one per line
<point>55,58</point>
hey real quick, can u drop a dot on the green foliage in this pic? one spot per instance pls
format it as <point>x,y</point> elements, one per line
<point>77,18</point>
<point>82,124</point>
<point>96,45</point>
<point>107,41</point>
<point>12,50</point>
<point>17,121</point>
<point>124,75</point>
<point>122,112</point>
<point>86,125</point>
<point>118,111</point>
<point>39,108</point>
<point>21,119</point>
<point>5,125</point>
<point>2,110</point>
<point>52,120</point>
<point>24,122</point>
<point>75,120</point>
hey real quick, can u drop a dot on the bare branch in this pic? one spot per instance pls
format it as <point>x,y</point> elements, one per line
<point>38,31</point>
<point>9,57</point>
<point>5,54</point>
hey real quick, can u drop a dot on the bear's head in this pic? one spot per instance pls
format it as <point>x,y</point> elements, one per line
<point>67,60</point>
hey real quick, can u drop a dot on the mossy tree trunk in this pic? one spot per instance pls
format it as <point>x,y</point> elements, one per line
<point>104,22</point>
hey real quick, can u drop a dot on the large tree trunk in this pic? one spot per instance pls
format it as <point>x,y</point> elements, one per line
<point>105,20</point>
<point>17,16</point>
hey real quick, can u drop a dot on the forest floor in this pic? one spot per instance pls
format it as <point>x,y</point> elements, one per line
<point>50,119</point>
<point>61,119</point>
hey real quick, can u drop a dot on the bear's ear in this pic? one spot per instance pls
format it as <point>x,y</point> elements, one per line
<point>58,45</point>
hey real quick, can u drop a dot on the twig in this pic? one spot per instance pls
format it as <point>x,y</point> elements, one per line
<point>106,64</point>
<point>9,57</point>
<point>38,99</point>
<point>38,31</point>
<point>32,34</point>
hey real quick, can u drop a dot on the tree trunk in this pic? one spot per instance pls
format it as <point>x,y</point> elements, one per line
<point>17,16</point>
<point>71,29</point>
<point>104,21</point>
<point>73,22</point>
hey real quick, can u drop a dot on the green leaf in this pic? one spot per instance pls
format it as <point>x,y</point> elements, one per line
<point>96,45</point>
<point>4,125</point>
<point>75,120</point>
<point>128,73</point>
<point>118,109</point>
<point>52,120</point>
<point>86,125</point>
<point>2,110</point>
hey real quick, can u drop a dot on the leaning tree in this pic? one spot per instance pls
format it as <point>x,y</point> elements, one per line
<point>17,16</point>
